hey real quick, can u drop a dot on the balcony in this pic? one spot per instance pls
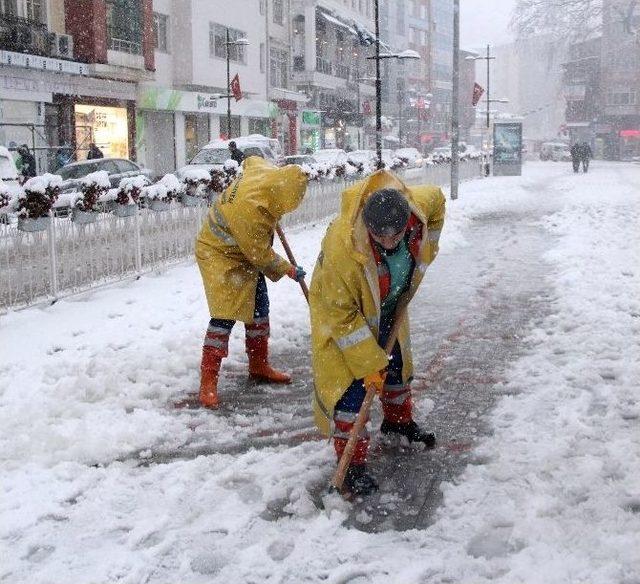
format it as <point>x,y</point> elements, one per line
<point>122,41</point>
<point>24,36</point>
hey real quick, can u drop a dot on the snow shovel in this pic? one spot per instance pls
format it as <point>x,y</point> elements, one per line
<point>361,420</point>
<point>289,253</point>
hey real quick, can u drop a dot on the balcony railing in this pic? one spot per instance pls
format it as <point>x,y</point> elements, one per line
<point>24,36</point>
<point>116,42</point>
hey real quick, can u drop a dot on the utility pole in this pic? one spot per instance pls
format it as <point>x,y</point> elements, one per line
<point>455,102</point>
<point>227,44</point>
<point>488,57</point>
<point>376,14</point>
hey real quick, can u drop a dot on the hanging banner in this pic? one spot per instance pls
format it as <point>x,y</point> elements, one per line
<point>478,90</point>
<point>235,88</point>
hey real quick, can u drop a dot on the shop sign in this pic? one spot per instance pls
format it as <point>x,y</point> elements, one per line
<point>42,63</point>
<point>207,102</point>
<point>311,118</point>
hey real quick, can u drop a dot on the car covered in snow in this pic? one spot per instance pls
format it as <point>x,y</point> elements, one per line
<point>300,159</point>
<point>8,171</point>
<point>116,168</point>
<point>411,155</point>
<point>332,157</point>
<point>216,153</point>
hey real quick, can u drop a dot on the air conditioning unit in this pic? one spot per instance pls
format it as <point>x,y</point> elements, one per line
<point>61,45</point>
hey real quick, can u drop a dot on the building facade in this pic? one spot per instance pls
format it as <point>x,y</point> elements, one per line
<point>619,124</point>
<point>68,74</point>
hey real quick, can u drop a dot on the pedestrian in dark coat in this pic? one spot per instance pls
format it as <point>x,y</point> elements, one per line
<point>28,168</point>
<point>94,152</point>
<point>236,153</point>
<point>586,154</point>
<point>576,152</point>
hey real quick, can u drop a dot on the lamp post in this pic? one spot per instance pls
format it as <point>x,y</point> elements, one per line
<point>229,43</point>
<point>488,58</point>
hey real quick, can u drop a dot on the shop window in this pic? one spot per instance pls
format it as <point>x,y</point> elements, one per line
<point>260,126</point>
<point>235,127</point>
<point>107,127</point>
<point>161,32</point>
<point>196,133</point>
<point>124,26</point>
<point>277,12</point>
<point>218,43</point>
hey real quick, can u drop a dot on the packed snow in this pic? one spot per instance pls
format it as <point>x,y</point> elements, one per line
<point>552,495</point>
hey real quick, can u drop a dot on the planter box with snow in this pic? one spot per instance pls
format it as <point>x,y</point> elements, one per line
<point>189,200</point>
<point>156,205</point>
<point>83,217</point>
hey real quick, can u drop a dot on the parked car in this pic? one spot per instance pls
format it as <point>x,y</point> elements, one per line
<point>556,151</point>
<point>357,157</point>
<point>116,168</point>
<point>331,156</point>
<point>216,153</point>
<point>300,159</point>
<point>413,157</point>
<point>8,171</point>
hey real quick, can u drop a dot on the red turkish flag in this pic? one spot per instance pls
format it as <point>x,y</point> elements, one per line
<point>477,94</point>
<point>235,88</point>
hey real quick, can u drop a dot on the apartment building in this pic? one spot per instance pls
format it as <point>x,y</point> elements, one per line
<point>620,121</point>
<point>69,71</point>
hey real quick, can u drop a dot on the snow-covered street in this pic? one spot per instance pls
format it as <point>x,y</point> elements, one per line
<point>526,339</point>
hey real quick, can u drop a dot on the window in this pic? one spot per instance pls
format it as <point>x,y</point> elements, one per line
<point>400,16</point>
<point>161,32</point>
<point>278,72</point>
<point>218,39</point>
<point>8,7</point>
<point>277,11</point>
<point>35,10</point>
<point>124,26</point>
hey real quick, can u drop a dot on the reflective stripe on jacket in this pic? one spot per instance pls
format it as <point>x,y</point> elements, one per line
<point>345,292</point>
<point>234,244</point>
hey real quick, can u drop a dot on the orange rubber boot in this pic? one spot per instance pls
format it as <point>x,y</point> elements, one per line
<point>209,371</point>
<point>259,368</point>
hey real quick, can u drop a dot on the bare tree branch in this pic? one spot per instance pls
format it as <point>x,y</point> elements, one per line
<point>565,20</point>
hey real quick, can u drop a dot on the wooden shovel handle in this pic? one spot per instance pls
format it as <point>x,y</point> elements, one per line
<point>363,414</point>
<point>290,257</point>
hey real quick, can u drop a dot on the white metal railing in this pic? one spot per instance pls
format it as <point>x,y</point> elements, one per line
<point>69,257</point>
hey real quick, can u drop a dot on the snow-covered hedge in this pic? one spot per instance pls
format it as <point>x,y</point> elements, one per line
<point>92,187</point>
<point>130,188</point>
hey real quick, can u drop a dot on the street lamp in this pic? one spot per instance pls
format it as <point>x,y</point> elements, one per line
<point>229,43</point>
<point>407,54</point>
<point>488,58</point>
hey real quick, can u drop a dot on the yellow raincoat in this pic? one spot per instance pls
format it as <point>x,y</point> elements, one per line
<point>345,293</point>
<point>234,244</point>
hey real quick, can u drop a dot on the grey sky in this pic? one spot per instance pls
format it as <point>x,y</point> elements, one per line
<point>485,21</point>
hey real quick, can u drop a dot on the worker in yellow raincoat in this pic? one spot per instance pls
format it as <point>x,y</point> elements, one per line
<point>234,253</point>
<point>373,254</point>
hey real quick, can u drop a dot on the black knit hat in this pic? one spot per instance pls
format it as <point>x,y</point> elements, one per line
<point>386,212</point>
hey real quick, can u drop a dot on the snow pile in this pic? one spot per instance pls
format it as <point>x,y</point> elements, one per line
<point>98,179</point>
<point>552,495</point>
<point>8,197</point>
<point>195,176</point>
<point>130,189</point>
<point>43,184</point>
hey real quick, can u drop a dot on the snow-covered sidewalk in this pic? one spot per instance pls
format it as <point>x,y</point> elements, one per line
<point>87,389</point>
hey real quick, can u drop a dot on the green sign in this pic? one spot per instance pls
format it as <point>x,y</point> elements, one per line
<point>311,118</point>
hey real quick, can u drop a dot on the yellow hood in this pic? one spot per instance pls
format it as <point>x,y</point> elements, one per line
<point>276,190</point>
